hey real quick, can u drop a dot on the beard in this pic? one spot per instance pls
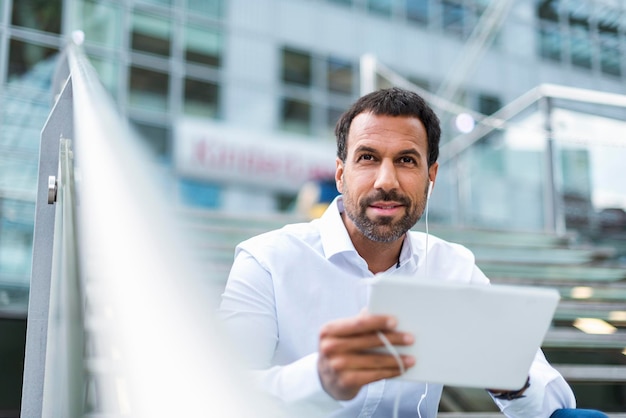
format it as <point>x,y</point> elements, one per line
<point>384,228</point>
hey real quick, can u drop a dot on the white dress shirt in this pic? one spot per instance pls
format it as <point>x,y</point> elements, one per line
<point>285,284</point>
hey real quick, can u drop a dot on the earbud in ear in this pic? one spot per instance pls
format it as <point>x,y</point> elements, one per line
<point>430,189</point>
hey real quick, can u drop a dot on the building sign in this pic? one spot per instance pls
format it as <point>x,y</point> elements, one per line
<point>220,153</point>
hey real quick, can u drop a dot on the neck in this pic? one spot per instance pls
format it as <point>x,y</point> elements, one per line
<point>379,256</point>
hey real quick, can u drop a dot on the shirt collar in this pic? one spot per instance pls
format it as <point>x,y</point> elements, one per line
<point>412,247</point>
<point>333,232</point>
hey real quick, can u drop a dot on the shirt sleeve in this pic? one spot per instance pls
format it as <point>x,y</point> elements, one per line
<point>478,277</point>
<point>548,392</point>
<point>248,314</point>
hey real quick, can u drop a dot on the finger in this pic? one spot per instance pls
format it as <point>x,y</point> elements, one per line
<point>371,361</point>
<point>330,345</point>
<point>361,377</point>
<point>345,383</point>
<point>360,324</point>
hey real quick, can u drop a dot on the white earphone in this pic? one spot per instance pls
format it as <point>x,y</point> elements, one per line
<point>392,350</point>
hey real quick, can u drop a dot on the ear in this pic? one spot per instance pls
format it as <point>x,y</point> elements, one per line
<point>432,173</point>
<point>339,174</point>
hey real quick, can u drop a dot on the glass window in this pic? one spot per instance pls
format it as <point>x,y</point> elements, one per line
<point>481,5</point>
<point>474,10</point>
<point>345,2</point>
<point>16,238</point>
<point>151,34</point>
<point>156,137</point>
<point>417,11</point>
<point>24,56</point>
<point>108,73</point>
<point>548,10</point>
<point>453,16</point>
<point>161,2</point>
<point>331,79</point>
<point>340,75</point>
<point>550,42</point>
<point>488,105</point>
<point>101,22</point>
<point>148,89</point>
<point>550,37</point>
<point>203,45</point>
<point>580,45</point>
<point>201,98</point>
<point>201,194</point>
<point>208,8</point>
<point>296,67</point>
<point>610,55</point>
<point>285,202</point>
<point>44,15</point>
<point>381,7</point>
<point>332,116</point>
<point>296,116</point>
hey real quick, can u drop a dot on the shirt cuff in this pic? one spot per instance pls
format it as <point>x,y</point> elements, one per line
<point>548,392</point>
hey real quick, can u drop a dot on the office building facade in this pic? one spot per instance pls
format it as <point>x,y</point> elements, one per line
<point>257,86</point>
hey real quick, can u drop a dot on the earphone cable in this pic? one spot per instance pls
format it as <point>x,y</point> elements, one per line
<point>392,350</point>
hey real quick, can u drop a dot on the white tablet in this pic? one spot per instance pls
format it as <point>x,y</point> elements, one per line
<point>483,336</point>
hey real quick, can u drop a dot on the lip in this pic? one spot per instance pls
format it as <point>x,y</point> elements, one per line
<point>386,208</point>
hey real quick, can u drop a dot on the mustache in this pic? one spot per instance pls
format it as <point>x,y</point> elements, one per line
<point>381,195</point>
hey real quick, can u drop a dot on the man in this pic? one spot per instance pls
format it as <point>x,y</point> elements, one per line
<point>295,297</point>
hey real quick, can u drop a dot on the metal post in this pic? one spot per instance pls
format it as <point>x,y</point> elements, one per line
<point>59,123</point>
<point>368,74</point>
<point>459,216</point>
<point>553,208</point>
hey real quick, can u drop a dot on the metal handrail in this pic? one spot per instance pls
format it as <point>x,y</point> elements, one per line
<point>64,379</point>
<point>485,123</point>
<point>544,95</point>
<point>499,119</point>
<point>130,330</point>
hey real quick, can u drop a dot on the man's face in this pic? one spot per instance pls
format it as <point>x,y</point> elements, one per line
<point>384,180</point>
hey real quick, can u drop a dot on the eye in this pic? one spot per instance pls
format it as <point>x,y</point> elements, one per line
<point>366,157</point>
<point>407,160</point>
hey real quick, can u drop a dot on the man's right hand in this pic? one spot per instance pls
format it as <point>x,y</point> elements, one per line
<point>346,360</point>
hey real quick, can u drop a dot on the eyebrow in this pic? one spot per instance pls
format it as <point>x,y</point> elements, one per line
<point>405,152</point>
<point>409,151</point>
<point>363,148</point>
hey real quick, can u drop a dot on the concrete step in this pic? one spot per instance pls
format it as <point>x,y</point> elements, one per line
<point>500,415</point>
<point>590,373</point>
<point>519,270</point>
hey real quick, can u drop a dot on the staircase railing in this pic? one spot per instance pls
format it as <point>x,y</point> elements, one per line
<point>120,321</point>
<point>544,97</point>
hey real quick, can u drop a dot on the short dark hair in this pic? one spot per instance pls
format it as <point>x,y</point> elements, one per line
<point>391,102</point>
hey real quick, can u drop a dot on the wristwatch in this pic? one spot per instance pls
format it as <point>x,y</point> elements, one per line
<point>514,394</point>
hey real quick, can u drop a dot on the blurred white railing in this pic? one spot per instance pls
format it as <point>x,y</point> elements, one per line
<point>120,321</point>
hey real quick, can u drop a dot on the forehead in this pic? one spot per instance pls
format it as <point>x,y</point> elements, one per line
<point>387,131</point>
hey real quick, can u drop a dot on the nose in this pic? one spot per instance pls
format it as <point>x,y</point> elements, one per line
<point>386,177</point>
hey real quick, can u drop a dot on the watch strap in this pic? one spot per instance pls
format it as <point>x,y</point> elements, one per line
<point>514,394</point>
